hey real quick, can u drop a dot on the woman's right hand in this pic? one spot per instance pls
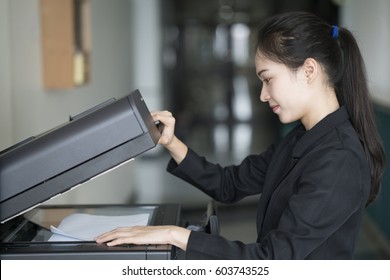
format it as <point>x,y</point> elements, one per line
<point>169,121</point>
<point>168,139</point>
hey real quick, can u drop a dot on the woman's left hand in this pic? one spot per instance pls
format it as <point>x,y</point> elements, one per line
<point>139,235</point>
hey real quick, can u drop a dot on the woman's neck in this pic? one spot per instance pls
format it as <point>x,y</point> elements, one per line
<point>325,104</point>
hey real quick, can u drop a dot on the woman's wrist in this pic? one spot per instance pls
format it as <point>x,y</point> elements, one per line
<point>177,149</point>
<point>179,237</point>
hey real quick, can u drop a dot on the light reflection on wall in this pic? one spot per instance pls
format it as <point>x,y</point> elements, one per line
<point>221,139</point>
<point>242,111</point>
<point>242,136</point>
<point>221,40</point>
<point>242,107</point>
<point>241,101</point>
<point>240,43</point>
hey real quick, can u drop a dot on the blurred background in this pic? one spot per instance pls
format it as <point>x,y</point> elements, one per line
<point>194,58</point>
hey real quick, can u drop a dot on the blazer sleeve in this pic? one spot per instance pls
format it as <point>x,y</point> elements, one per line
<point>224,184</point>
<point>330,192</point>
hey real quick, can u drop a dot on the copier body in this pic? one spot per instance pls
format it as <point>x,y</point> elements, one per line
<point>64,157</point>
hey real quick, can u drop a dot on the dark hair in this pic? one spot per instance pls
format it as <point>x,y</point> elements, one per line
<point>291,38</point>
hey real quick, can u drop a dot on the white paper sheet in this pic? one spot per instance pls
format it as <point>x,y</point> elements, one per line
<point>85,227</point>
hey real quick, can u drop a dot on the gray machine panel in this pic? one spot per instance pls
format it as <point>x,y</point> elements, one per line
<point>89,144</point>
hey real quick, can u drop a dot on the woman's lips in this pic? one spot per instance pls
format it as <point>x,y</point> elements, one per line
<point>275,108</point>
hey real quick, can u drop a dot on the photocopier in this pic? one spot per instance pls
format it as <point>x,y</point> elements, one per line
<point>54,162</point>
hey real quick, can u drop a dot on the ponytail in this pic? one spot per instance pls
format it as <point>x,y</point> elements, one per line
<point>352,91</point>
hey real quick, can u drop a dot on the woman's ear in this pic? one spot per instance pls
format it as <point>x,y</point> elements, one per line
<point>310,69</point>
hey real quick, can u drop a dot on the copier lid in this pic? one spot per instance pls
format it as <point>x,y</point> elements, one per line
<point>88,145</point>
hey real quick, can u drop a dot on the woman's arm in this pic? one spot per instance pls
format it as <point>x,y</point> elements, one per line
<point>174,235</point>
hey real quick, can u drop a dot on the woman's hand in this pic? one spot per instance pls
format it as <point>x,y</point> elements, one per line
<point>139,235</point>
<point>169,121</point>
<point>168,139</point>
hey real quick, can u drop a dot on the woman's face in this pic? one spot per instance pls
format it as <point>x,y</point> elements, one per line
<point>285,90</point>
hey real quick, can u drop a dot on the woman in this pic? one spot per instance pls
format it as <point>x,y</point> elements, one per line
<point>317,181</point>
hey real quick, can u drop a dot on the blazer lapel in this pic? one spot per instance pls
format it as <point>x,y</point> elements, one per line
<point>280,166</point>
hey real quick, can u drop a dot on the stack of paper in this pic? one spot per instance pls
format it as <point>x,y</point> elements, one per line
<point>85,227</point>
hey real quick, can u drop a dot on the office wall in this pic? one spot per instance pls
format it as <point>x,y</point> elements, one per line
<point>6,131</point>
<point>147,50</point>
<point>370,23</point>
<point>28,109</point>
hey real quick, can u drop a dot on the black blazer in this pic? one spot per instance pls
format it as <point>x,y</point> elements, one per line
<point>314,187</point>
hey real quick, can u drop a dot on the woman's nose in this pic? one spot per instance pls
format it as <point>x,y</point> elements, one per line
<point>264,96</point>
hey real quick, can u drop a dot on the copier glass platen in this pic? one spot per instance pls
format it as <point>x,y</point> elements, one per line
<point>27,236</point>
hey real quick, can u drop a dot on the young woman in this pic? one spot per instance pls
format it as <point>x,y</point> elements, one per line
<point>317,181</point>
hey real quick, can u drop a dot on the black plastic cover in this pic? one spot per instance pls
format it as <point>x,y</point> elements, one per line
<point>91,143</point>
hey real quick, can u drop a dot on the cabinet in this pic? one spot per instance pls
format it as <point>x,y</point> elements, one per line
<point>65,43</point>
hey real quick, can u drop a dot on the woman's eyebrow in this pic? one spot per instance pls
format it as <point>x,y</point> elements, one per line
<point>261,72</point>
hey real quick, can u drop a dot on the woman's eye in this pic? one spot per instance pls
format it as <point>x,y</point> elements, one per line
<point>266,81</point>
